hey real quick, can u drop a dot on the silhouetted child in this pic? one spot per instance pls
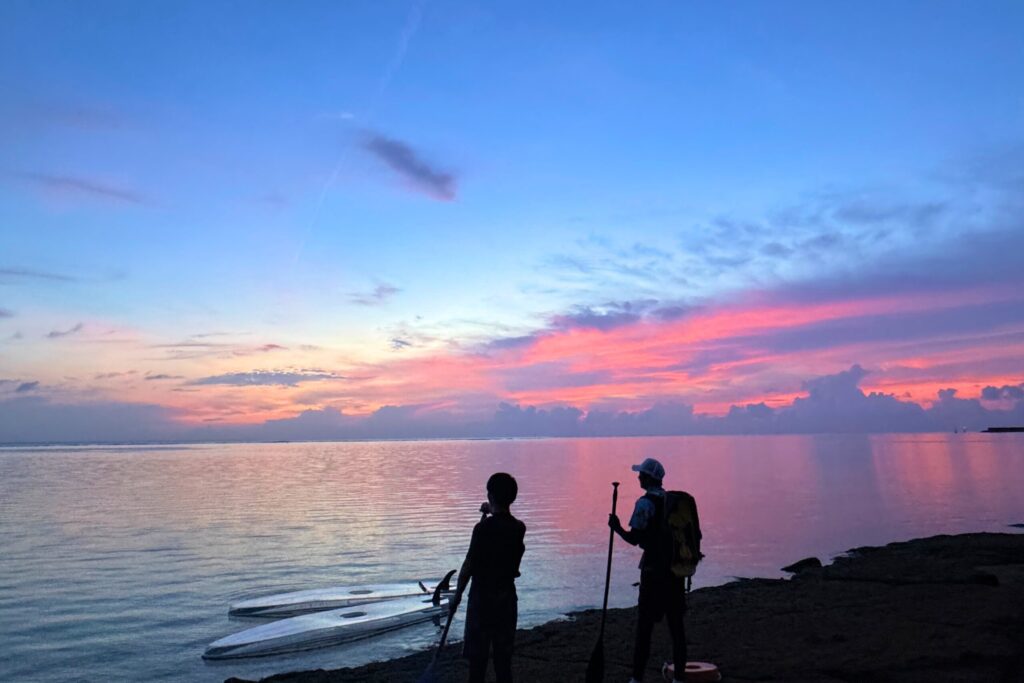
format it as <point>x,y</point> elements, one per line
<point>493,564</point>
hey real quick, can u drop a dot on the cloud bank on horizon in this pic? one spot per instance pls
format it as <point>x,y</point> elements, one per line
<point>758,257</point>
<point>832,404</point>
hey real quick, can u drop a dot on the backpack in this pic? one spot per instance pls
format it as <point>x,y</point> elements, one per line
<point>679,534</point>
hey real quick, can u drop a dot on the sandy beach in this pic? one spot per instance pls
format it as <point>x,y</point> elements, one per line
<point>945,608</point>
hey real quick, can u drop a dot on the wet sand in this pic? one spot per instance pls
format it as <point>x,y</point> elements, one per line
<point>946,608</point>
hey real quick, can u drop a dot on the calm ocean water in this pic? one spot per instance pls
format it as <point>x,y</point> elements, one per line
<point>120,562</point>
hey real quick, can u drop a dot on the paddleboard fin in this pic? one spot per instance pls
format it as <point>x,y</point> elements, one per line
<point>443,587</point>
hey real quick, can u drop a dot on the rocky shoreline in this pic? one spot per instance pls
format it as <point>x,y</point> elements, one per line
<point>945,608</point>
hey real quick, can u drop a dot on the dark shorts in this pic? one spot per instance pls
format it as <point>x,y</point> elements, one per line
<point>659,594</point>
<point>490,624</point>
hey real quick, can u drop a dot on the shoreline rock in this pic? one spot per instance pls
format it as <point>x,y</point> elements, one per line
<point>945,608</point>
<point>803,565</point>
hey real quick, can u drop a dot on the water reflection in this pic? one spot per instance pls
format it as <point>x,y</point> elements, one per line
<point>134,555</point>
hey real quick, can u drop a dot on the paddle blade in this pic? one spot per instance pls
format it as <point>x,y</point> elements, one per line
<point>595,667</point>
<point>443,587</point>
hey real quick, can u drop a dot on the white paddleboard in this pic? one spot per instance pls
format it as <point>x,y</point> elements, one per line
<point>320,599</point>
<point>322,629</point>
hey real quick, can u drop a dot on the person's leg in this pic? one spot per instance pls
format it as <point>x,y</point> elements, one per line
<point>642,646</point>
<point>675,614</point>
<point>477,669</point>
<point>476,644</point>
<point>649,611</point>
<point>504,642</point>
<point>677,630</point>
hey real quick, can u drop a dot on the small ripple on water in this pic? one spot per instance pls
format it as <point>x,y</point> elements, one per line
<point>126,568</point>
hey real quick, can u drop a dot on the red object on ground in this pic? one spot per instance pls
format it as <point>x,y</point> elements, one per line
<point>696,672</point>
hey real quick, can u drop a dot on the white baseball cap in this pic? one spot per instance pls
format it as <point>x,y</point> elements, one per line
<point>652,468</point>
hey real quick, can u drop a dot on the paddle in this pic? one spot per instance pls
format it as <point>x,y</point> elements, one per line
<point>429,676</point>
<point>595,668</point>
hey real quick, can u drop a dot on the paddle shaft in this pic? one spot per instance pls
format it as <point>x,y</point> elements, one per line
<point>451,615</point>
<point>608,572</point>
<point>429,676</point>
<point>595,667</point>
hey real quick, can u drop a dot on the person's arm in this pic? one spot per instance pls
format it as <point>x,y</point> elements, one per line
<point>520,549</point>
<point>638,523</point>
<point>630,536</point>
<point>465,574</point>
<point>466,571</point>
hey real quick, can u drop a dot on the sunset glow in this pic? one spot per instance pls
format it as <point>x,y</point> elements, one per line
<point>371,240</point>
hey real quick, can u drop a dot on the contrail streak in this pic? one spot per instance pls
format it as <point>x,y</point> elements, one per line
<point>412,24</point>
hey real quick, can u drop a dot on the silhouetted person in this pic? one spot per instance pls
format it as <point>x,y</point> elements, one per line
<point>493,564</point>
<point>661,592</point>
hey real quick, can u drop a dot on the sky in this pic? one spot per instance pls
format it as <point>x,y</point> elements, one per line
<point>262,220</point>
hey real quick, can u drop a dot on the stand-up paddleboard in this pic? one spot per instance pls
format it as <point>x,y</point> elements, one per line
<point>695,671</point>
<point>322,629</point>
<point>321,599</point>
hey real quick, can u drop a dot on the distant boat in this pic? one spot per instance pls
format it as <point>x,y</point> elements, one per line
<point>996,430</point>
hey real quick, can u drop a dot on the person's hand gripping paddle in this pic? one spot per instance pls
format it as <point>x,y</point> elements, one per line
<point>595,668</point>
<point>429,676</point>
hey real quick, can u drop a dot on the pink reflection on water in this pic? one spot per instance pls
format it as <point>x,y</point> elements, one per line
<point>186,531</point>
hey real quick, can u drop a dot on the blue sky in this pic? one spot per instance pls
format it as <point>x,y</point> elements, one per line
<point>345,175</point>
